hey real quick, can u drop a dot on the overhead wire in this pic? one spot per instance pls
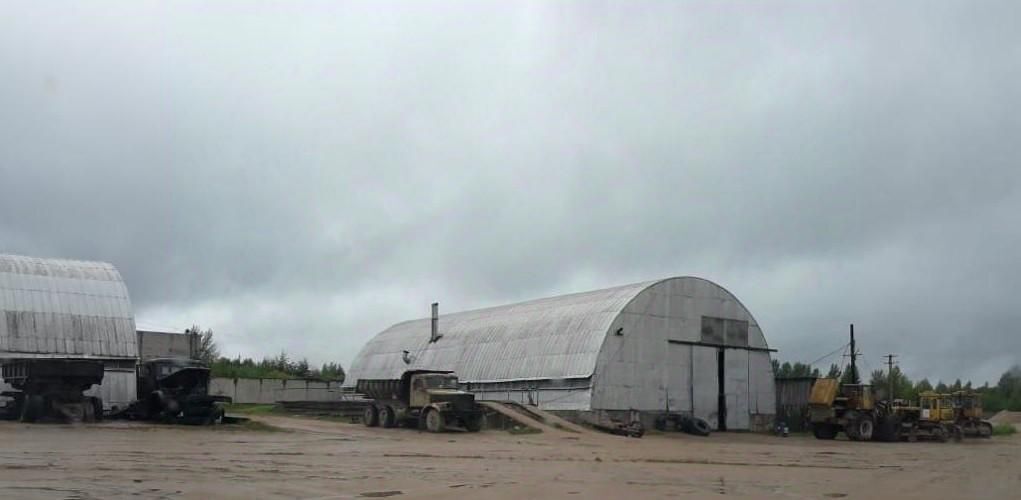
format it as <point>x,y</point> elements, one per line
<point>842,347</point>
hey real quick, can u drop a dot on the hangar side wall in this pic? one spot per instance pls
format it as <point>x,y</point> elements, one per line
<point>165,345</point>
<point>656,362</point>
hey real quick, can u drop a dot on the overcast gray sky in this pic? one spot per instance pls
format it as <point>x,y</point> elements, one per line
<point>300,175</point>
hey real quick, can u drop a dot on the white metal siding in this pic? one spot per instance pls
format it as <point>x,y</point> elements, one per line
<point>735,388</point>
<point>678,381</point>
<point>118,388</point>
<point>763,385</point>
<point>54,307</point>
<point>706,384</point>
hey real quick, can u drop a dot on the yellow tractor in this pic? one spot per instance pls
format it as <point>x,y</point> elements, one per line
<point>834,407</point>
<point>937,417</point>
<point>968,414</point>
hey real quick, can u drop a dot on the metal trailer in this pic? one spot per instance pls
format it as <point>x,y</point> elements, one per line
<point>52,388</point>
<point>424,399</point>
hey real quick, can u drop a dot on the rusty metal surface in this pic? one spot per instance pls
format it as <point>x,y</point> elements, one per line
<point>54,307</point>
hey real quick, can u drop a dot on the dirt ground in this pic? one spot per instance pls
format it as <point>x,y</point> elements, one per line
<point>311,459</point>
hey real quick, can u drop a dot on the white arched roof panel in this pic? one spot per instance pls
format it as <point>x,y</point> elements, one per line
<point>55,307</point>
<point>557,337</point>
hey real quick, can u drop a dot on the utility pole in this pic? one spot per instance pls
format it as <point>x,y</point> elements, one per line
<point>889,374</point>
<point>854,359</point>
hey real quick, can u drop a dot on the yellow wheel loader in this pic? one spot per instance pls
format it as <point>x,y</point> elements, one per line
<point>834,408</point>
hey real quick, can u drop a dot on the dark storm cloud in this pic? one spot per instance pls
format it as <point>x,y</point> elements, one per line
<point>301,176</point>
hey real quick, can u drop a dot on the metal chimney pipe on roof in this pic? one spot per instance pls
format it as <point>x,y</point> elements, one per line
<point>435,335</point>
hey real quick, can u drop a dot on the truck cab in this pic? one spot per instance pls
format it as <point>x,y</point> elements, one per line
<point>427,387</point>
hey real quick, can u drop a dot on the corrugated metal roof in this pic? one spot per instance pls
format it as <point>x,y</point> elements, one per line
<point>64,307</point>
<point>556,337</point>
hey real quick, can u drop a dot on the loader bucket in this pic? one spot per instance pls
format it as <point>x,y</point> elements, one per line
<point>824,391</point>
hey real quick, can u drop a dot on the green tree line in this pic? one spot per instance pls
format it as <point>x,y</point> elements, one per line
<point>1005,395</point>
<point>280,366</point>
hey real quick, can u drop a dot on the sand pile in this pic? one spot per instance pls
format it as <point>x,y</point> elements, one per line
<point>1007,417</point>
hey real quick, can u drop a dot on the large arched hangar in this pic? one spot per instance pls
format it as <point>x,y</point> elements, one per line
<point>685,344</point>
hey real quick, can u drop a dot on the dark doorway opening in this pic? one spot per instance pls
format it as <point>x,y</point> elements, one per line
<point>721,395</point>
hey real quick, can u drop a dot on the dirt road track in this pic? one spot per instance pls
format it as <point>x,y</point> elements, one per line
<point>325,460</point>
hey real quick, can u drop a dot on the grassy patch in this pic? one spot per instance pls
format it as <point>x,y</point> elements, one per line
<point>251,408</point>
<point>247,425</point>
<point>1004,430</point>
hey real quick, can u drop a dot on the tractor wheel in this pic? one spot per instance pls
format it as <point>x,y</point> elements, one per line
<point>387,417</point>
<point>434,421</point>
<point>887,429</point>
<point>861,429</point>
<point>371,416</point>
<point>824,431</point>
<point>957,433</point>
<point>985,430</point>
<point>939,434</point>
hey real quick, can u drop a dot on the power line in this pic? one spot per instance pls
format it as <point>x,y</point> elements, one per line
<point>828,355</point>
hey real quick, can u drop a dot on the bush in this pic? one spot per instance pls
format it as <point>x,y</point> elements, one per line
<point>1004,430</point>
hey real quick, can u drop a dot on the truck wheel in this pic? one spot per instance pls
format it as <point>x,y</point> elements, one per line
<point>88,411</point>
<point>824,431</point>
<point>371,416</point>
<point>387,417</point>
<point>434,421</point>
<point>33,409</point>
<point>473,424</point>
<point>215,415</point>
<point>97,409</point>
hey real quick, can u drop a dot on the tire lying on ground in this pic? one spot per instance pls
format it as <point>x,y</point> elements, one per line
<point>696,426</point>
<point>824,431</point>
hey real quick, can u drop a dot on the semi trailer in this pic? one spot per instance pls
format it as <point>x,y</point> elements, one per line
<point>49,388</point>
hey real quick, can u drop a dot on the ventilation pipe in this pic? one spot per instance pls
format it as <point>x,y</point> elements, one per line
<point>435,335</point>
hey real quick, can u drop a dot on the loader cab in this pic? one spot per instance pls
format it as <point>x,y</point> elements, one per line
<point>968,404</point>
<point>936,407</point>
<point>857,396</point>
